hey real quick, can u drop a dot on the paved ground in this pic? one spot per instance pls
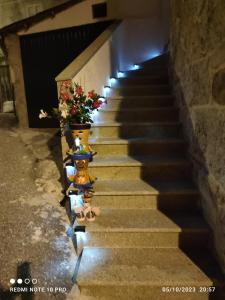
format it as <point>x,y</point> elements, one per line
<point>33,241</point>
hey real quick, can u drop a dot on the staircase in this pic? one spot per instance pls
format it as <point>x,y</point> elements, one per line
<point>150,233</point>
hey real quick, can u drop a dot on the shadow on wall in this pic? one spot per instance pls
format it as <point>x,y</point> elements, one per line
<point>23,272</point>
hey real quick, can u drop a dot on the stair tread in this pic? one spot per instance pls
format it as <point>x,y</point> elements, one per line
<point>123,160</point>
<point>118,124</point>
<point>145,220</point>
<point>152,69</point>
<point>150,76</point>
<point>135,187</point>
<point>140,109</point>
<point>121,141</point>
<point>139,96</point>
<point>141,86</point>
<point>141,267</point>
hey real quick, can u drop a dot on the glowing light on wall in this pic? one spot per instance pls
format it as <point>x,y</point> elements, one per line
<point>154,53</point>
<point>106,91</point>
<point>70,171</point>
<point>112,81</point>
<point>120,74</point>
<point>81,238</point>
<point>135,67</point>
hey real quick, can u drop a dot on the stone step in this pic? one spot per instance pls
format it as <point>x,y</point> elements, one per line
<point>132,274</point>
<point>121,102</point>
<point>145,167</point>
<point>153,71</point>
<point>162,114</point>
<point>154,79</point>
<point>137,146</point>
<point>138,194</point>
<point>143,228</point>
<point>131,90</point>
<point>132,129</point>
<point>159,61</point>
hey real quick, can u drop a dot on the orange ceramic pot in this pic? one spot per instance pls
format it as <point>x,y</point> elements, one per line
<point>82,131</point>
<point>82,177</point>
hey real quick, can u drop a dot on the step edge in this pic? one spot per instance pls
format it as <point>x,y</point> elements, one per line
<point>140,141</point>
<point>146,193</point>
<point>116,124</point>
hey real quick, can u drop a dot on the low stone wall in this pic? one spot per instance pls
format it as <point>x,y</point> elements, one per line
<point>197,49</point>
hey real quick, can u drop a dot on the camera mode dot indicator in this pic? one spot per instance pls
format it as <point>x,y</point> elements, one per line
<point>34,281</point>
<point>19,281</point>
<point>27,280</point>
<point>12,280</point>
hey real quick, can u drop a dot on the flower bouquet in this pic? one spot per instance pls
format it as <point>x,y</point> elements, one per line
<point>75,109</point>
<point>74,105</point>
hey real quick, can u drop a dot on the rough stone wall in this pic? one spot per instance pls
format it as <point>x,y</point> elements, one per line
<point>197,48</point>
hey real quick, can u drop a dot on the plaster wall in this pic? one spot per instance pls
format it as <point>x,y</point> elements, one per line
<point>15,10</point>
<point>76,15</point>
<point>14,59</point>
<point>92,77</point>
<point>144,33</point>
<point>198,63</point>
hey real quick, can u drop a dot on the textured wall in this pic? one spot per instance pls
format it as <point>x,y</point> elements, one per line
<point>198,60</point>
<point>15,10</point>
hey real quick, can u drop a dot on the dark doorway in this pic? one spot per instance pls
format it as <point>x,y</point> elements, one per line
<point>44,56</point>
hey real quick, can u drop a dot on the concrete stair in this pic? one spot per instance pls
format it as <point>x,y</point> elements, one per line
<point>131,90</point>
<point>141,114</point>
<point>154,79</point>
<point>141,273</point>
<point>137,146</point>
<point>127,167</point>
<point>138,194</point>
<point>130,129</point>
<point>150,233</point>
<point>127,228</point>
<point>138,102</point>
<point>150,71</point>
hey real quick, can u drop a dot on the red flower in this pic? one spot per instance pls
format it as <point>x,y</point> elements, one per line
<point>66,84</point>
<point>73,110</point>
<point>65,96</point>
<point>92,94</point>
<point>96,104</point>
<point>79,90</point>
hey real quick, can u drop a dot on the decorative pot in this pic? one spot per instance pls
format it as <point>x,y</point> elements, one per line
<point>82,131</point>
<point>82,178</point>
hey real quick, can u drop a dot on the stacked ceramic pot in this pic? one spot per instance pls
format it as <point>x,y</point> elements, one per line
<point>81,184</point>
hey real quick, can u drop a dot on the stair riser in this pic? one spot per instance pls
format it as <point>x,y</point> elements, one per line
<point>141,81</point>
<point>125,239</point>
<point>144,90</point>
<point>138,103</point>
<point>156,171</point>
<point>146,72</point>
<point>143,292</point>
<point>164,115</point>
<point>126,131</point>
<point>139,148</point>
<point>173,202</point>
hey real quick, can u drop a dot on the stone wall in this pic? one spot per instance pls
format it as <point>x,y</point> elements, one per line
<point>197,48</point>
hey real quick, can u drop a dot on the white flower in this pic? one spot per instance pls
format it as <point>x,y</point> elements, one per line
<point>43,114</point>
<point>63,108</point>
